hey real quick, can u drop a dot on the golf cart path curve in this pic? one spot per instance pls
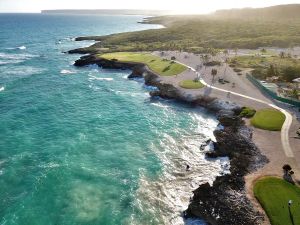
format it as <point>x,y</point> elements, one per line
<point>288,117</point>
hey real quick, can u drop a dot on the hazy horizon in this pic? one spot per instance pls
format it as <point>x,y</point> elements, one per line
<point>180,7</point>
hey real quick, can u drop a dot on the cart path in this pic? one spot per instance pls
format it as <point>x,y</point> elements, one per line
<point>288,117</point>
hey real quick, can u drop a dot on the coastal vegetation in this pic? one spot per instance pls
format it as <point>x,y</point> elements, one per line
<point>247,112</point>
<point>268,119</point>
<point>158,65</point>
<point>191,84</point>
<point>208,34</point>
<point>285,67</point>
<point>274,195</point>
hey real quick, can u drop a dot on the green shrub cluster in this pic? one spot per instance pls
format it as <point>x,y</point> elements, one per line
<point>247,112</point>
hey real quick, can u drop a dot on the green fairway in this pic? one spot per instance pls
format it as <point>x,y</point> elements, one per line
<point>268,119</point>
<point>158,65</point>
<point>190,84</point>
<point>274,194</point>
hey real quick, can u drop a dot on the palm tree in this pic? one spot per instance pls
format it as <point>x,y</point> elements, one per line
<point>226,52</point>
<point>294,93</point>
<point>286,168</point>
<point>205,59</point>
<point>236,51</point>
<point>214,72</point>
<point>282,55</point>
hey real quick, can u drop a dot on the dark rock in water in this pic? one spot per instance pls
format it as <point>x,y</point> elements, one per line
<point>82,51</point>
<point>218,105</point>
<point>232,120</point>
<point>137,71</point>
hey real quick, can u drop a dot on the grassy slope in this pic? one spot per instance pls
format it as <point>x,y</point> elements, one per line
<point>155,63</point>
<point>268,119</point>
<point>199,33</point>
<point>263,62</point>
<point>274,194</point>
<point>190,84</point>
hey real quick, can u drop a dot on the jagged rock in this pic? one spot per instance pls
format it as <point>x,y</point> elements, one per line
<point>225,202</point>
<point>217,105</point>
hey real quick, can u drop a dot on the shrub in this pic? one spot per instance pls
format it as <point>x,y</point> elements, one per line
<point>237,70</point>
<point>287,167</point>
<point>213,63</point>
<point>247,112</point>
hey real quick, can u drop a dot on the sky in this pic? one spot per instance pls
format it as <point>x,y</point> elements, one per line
<point>179,6</point>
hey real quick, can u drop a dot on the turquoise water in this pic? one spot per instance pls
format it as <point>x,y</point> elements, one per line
<point>86,145</point>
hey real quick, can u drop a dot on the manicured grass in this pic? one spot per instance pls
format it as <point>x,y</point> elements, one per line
<point>268,119</point>
<point>161,66</point>
<point>274,194</point>
<point>190,84</point>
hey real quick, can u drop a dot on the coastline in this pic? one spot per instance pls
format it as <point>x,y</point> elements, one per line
<point>218,202</point>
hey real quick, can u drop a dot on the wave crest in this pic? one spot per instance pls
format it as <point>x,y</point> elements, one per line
<point>67,72</point>
<point>100,78</point>
<point>21,47</point>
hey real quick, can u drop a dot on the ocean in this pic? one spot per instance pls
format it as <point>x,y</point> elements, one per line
<point>86,145</point>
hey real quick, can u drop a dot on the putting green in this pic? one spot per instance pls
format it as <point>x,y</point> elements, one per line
<point>268,119</point>
<point>274,194</point>
<point>190,84</point>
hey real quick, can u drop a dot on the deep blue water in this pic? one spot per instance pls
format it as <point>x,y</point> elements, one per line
<point>86,145</point>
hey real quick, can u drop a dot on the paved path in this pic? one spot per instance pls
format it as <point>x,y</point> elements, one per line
<point>288,117</point>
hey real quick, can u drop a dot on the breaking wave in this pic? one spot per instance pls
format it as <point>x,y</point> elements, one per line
<point>67,72</point>
<point>23,71</point>
<point>21,47</point>
<point>100,78</point>
<point>168,196</point>
<point>8,58</point>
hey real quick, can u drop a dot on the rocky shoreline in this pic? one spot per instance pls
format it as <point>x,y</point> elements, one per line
<point>224,203</point>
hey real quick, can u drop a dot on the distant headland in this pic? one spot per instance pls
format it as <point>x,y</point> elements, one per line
<point>109,12</point>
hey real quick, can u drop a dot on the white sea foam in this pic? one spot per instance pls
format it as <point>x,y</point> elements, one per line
<point>49,165</point>
<point>21,47</point>
<point>169,195</point>
<point>67,72</point>
<point>9,56</point>
<point>23,71</point>
<point>2,89</point>
<point>159,104</point>
<point>150,88</point>
<point>93,66</point>
<point>10,62</point>
<point>100,78</point>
